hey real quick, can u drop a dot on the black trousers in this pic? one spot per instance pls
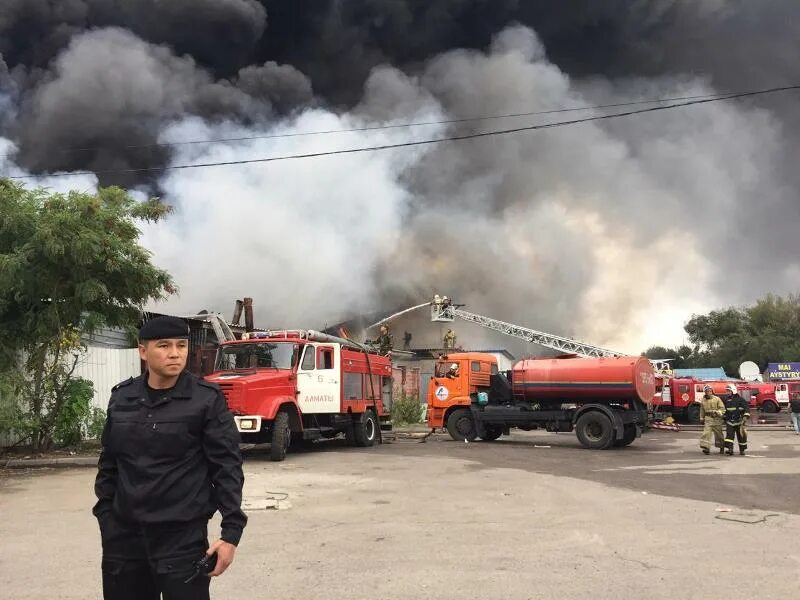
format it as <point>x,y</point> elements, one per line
<point>142,563</point>
<point>739,432</point>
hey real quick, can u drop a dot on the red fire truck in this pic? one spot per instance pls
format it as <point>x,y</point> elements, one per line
<point>290,387</point>
<point>681,396</point>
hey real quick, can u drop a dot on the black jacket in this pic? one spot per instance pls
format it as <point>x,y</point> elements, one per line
<point>794,405</point>
<point>175,459</point>
<point>736,409</point>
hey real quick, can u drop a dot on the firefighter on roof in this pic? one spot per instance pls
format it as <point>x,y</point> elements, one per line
<point>385,340</point>
<point>712,411</point>
<point>449,340</point>
<point>736,414</point>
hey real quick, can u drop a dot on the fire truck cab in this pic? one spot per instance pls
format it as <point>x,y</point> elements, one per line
<point>289,387</point>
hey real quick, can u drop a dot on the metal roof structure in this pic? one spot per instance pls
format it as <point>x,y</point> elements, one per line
<point>705,374</point>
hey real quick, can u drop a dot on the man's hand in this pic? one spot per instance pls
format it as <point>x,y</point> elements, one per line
<point>224,552</point>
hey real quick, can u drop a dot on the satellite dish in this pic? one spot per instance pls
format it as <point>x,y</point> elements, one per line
<point>749,371</point>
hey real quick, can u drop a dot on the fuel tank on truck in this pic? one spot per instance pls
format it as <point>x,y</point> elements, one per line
<point>570,379</point>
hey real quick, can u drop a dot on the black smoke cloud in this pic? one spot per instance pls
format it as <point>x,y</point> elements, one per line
<point>261,58</point>
<point>116,76</point>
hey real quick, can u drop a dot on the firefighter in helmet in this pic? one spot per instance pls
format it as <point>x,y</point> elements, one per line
<point>452,373</point>
<point>449,340</point>
<point>736,414</point>
<point>712,412</point>
<point>384,340</point>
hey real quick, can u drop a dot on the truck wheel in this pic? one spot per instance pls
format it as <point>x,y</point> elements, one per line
<point>627,437</point>
<point>281,437</point>
<point>460,425</point>
<point>594,430</point>
<point>366,432</point>
<point>693,413</point>
<point>492,433</point>
<point>769,407</point>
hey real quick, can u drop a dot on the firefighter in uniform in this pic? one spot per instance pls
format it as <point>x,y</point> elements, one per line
<point>170,460</point>
<point>384,341</point>
<point>712,411</point>
<point>736,414</point>
<point>449,340</point>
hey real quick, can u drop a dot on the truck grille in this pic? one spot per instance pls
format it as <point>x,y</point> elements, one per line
<point>233,396</point>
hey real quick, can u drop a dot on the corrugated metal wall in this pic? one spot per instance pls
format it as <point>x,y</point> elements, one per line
<point>106,367</point>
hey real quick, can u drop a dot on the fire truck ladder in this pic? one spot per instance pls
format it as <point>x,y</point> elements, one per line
<point>446,314</point>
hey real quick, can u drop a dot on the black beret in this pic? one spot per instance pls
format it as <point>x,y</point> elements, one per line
<point>164,328</point>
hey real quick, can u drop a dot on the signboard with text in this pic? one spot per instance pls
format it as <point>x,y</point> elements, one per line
<point>787,370</point>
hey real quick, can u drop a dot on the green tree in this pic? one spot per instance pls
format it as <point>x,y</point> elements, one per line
<point>69,263</point>
<point>679,358</point>
<point>768,331</point>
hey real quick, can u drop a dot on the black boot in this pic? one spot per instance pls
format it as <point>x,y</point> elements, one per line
<point>706,451</point>
<point>741,451</point>
<point>722,450</point>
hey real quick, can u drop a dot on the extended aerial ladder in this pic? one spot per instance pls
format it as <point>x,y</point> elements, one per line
<point>447,314</point>
<point>443,311</point>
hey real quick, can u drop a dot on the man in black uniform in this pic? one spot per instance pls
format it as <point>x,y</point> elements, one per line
<point>736,414</point>
<point>170,460</point>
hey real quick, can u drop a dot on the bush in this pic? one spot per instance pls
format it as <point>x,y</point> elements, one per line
<point>407,410</point>
<point>77,415</point>
<point>12,417</point>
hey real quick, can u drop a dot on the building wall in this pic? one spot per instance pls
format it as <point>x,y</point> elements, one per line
<point>106,337</point>
<point>405,381</point>
<point>105,368</point>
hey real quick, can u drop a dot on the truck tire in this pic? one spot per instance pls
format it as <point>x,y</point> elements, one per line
<point>693,413</point>
<point>281,437</point>
<point>492,433</point>
<point>627,437</point>
<point>367,431</point>
<point>460,425</point>
<point>769,407</point>
<point>594,430</point>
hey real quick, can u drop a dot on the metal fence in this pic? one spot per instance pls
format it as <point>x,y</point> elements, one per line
<point>104,367</point>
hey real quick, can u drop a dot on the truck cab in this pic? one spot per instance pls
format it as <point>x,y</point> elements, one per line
<point>452,387</point>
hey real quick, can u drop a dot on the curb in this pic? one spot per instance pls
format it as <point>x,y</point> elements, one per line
<point>53,463</point>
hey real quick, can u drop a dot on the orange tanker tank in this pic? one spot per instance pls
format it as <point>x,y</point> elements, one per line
<point>570,379</point>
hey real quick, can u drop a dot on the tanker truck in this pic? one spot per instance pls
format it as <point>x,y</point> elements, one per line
<point>604,400</point>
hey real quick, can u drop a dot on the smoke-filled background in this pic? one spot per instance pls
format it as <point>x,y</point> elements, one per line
<point>613,232</point>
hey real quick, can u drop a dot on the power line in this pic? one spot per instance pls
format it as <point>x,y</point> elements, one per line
<point>392,126</point>
<point>417,142</point>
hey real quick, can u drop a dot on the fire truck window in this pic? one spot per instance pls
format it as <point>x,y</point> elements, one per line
<point>308,359</point>
<point>352,386</point>
<point>441,369</point>
<point>325,360</point>
<point>476,366</point>
<point>684,389</point>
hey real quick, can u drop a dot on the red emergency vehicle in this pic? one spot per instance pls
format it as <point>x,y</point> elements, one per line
<point>286,387</point>
<point>681,396</point>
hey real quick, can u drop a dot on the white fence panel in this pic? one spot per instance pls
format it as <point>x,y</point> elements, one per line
<point>105,368</point>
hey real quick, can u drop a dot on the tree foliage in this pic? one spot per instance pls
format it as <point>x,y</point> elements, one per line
<point>69,264</point>
<point>768,331</point>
